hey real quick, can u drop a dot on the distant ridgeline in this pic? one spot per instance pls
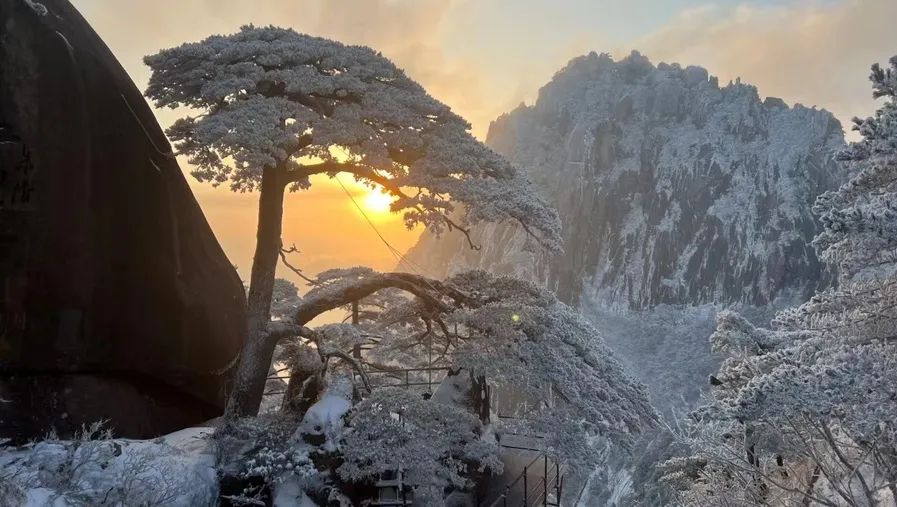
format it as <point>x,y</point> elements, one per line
<point>672,191</point>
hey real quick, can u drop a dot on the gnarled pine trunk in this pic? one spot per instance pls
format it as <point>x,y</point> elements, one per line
<point>306,381</point>
<point>249,384</point>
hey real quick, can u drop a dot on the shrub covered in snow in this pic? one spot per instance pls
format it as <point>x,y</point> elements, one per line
<point>434,445</point>
<point>277,107</point>
<point>257,455</point>
<point>94,469</point>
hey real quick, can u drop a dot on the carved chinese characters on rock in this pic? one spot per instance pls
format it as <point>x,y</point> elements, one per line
<point>16,199</point>
<point>16,187</point>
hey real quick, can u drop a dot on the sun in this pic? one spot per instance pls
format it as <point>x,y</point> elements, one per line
<point>377,202</point>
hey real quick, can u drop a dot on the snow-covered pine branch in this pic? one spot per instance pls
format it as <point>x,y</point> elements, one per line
<point>275,107</point>
<point>269,97</point>
<point>806,410</point>
<point>509,331</point>
<point>506,332</point>
<point>859,232</point>
<point>434,445</point>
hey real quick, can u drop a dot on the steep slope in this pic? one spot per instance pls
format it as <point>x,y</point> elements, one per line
<point>678,197</point>
<point>672,190</point>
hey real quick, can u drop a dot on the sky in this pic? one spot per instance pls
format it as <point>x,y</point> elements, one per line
<point>484,57</point>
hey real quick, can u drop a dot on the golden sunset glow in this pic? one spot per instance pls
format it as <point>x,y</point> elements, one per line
<point>484,62</point>
<point>377,202</point>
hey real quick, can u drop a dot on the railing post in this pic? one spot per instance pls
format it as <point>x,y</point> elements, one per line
<point>356,349</point>
<point>400,481</point>
<point>505,496</point>
<point>557,481</point>
<point>560,489</point>
<point>545,484</point>
<point>525,488</point>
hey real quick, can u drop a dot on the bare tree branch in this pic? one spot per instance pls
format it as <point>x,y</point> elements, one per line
<point>367,173</point>
<point>294,269</point>
<point>327,353</point>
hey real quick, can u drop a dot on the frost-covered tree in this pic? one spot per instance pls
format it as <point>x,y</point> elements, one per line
<point>284,298</point>
<point>506,331</point>
<point>502,328</point>
<point>806,410</point>
<point>272,107</point>
<point>435,445</point>
<point>860,219</point>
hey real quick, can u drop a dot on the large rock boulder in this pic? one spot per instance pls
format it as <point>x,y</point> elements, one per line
<point>116,300</point>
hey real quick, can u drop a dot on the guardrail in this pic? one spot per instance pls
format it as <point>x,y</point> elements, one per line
<point>405,377</point>
<point>528,490</point>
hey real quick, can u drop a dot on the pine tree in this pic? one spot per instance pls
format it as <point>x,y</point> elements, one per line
<point>276,107</point>
<point>807,408</point>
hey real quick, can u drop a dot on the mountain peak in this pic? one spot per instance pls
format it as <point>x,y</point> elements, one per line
<point>672,189</point>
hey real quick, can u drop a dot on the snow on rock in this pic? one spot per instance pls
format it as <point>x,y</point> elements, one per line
<point>673,192</point>
<point>325,417</point>
<point>174,470</point>
<point>453,390</point>
<point>42,497</point>
<point>38,8</point>
<point>671,189</point>
<point>289,493</point>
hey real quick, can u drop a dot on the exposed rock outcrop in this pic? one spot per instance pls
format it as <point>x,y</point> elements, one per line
<point>678,198</point>
<point>116,300</point>
<point>672,190</point>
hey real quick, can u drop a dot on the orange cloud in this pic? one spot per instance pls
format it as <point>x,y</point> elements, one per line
<point>813,53</point>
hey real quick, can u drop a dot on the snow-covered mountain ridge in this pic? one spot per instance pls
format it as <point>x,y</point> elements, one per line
<point>672,189</point>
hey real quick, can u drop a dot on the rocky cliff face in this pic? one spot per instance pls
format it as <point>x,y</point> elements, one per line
<point>672,189</point>
<point>678,198</point>
<point>116,301</point>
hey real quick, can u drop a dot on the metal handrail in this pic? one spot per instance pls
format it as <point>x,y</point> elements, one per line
<point>403,370</point>
<point>398,373</point>
<point>532,493</point>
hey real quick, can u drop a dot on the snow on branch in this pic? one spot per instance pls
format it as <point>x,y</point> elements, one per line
<point>272,99</point>
<point>434,445</point>
<point>815,392</point>
<point>506,330</point>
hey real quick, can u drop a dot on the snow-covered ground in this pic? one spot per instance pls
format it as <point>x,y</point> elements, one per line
<point>174,470</point>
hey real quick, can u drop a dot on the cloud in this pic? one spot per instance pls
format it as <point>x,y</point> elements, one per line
<point>484,57</point>
<point>809,52</point>
<point>409,32</point>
